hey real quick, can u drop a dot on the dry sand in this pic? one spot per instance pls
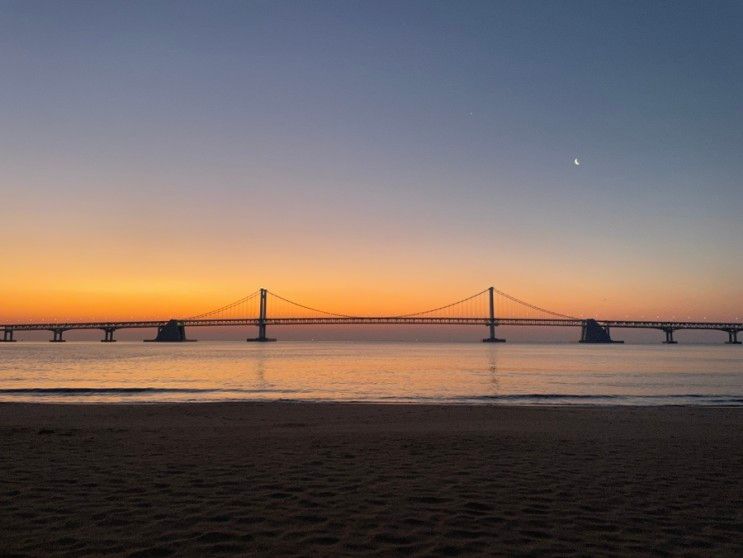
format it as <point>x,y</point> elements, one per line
<point>323,479</point>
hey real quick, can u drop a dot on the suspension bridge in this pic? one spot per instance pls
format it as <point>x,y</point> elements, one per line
<point>489,308</point>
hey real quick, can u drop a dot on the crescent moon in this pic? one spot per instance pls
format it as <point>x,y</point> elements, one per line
<point>577,162</point>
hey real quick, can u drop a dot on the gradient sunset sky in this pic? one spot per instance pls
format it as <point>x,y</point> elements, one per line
<point>162,158</point>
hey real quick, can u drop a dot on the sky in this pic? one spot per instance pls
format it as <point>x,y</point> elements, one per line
<point>161,159</point>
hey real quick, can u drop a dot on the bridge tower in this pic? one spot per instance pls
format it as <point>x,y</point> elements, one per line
<point>491,321</point>
<point>263,312</point>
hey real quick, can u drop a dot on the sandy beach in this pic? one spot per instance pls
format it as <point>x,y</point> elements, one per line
<point>322,479</point>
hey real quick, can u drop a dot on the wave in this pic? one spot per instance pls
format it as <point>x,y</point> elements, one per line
<point>132,391</point>
<point>596,396</point>
<point>154,394</point>
<point>613,399</point>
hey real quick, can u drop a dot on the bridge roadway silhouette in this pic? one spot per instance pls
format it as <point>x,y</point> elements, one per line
<point>174,330</point>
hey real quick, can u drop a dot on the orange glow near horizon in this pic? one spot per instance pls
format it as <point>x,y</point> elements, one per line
<point>161,300</point>
<point>134,269</point>
<point>132,258</point>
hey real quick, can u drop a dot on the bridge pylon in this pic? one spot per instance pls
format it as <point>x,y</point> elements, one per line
<point>263,312</point>
<point>57,335</point>
<point>491,321</point>
<point>109,335</point>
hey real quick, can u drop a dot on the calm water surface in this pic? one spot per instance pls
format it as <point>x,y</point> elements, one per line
<point>373,371</point>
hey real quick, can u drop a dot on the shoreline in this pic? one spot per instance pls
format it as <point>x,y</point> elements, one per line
<point>398,403</point>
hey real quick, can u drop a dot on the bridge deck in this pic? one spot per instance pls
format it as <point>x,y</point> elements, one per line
<point>375,320</point>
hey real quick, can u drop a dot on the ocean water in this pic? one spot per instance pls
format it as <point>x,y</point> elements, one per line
<point>517,374</point>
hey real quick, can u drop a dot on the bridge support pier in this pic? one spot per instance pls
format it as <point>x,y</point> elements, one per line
<point>108,335</point>
<point>491,322</point>
<point>57,336</point>
<point>493,339</point>
<point>262,338</point>
<point>7,336</point>
<point>669,336</point>
<point>172,332</point>
<point>593,332</point>
<point>732,337</point>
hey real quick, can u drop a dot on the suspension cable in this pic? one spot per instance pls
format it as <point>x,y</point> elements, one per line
<point>226,307</point>
<point>441,307</point>
<point>410,315</point>
<point>310,307</point>
<point>533,307</point>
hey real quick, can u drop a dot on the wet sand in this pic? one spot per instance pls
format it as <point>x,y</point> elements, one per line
<point>324,479</point>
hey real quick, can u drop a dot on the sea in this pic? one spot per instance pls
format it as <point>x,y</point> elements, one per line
<point>379,372</point>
